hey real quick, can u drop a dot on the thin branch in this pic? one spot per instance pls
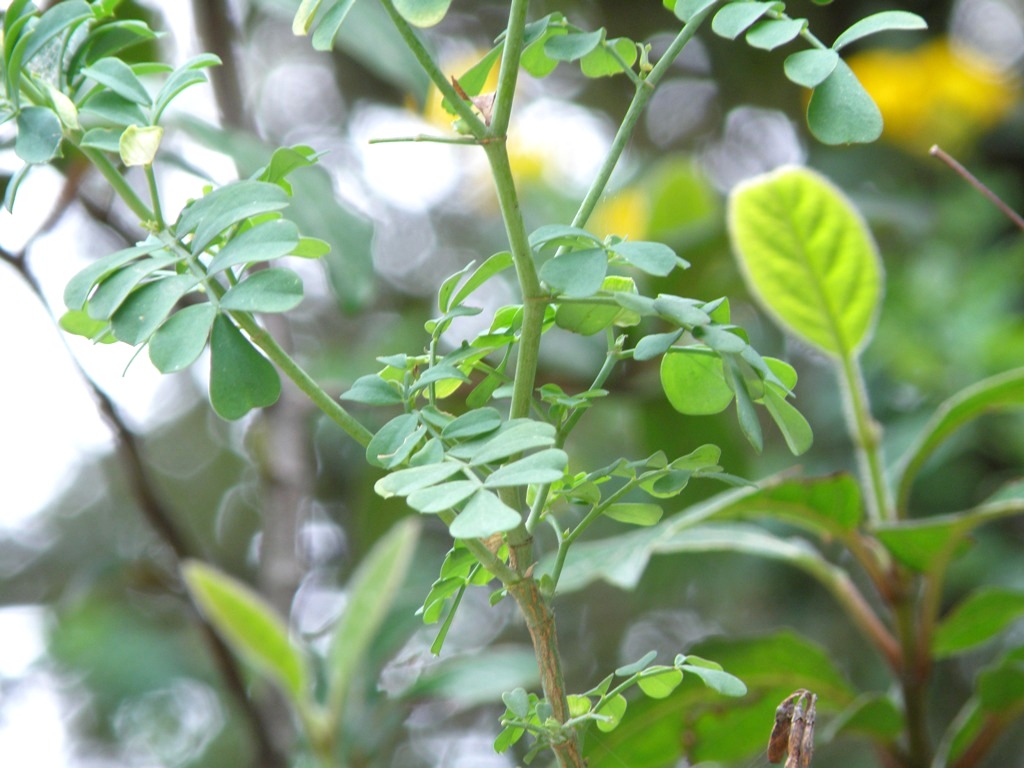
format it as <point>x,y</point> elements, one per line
<point>974,181</point>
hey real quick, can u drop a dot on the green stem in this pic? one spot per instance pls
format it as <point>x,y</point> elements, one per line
<point>914,685</point>
<point>119,183</point>
<point>415,45</point>
<point>867,436</point>
<point>334,410</point>
<point>508,73</point>
<point>643,95</point>
<point>154,195</point>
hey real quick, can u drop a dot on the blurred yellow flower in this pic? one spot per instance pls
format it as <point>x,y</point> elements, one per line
<point>625,213</point>
<point>937,93</point>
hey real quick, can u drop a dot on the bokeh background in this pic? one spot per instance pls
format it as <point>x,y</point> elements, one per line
<point>102,662</point>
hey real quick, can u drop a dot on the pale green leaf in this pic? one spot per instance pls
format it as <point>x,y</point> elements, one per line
<point>484,515</point>
<point>808,257</point>
<point>39,135</point>
<point>634,513</point>
<point>138,145</point>
<point>810,68</point>
<point>268,290</point>
<point>405,481</point>
<point>576,274</point>
<point>659,682</point>
<point>266,241</point>
<point>182,338</point>
<point>841,111</point>
<point>119,77</point>
<point>879,22</point>
<point>694,381</point>
<point>543,467</point>
<point>251,627</point>
<point>422,13</point>
<point>769,34</point>
<point>735,18</point>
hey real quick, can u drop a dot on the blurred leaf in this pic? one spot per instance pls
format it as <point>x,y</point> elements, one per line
<point>841,111</point>
<point>251,627</point>
<point>980,617</point>
<point>182,338</point>
<point>1001,686</point>
<point>633,513</point>
<point>78,322</point>
<point>269,290</point>
<point>879,22</point>
<point>810,68</point>
<point>240,377</point>
<point>475,679</point>
<point>873,715</point>
<point>330,24</point>
<point>104,139</point>
<point>577,273</point>
<point>370,594</point>
<point>1001,391</point>
<point>39,135</point>
<point>922,544</point>
<point>484,515</point>
<point>808,256</point>
<point>694,382</point>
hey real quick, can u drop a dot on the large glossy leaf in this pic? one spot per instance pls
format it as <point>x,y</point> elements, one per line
<point>250,626</point>
<point>179,341</point>
<point>1005,390</point>
<point>980,617</point>
<point>240,377</point>
<point>841,111</point>
<point>370,594</point>
<point>808,257</point>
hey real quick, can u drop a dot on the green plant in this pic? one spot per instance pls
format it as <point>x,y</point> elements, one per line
<point>494,475</point>
<point>809,259</point>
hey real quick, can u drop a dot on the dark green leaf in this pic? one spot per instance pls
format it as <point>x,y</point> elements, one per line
<point>841,111</point>
<point>240,377</point>
<point>269,290</point>
<point>182,338</point>
<point>484,515</point>
<point>39,135</point>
